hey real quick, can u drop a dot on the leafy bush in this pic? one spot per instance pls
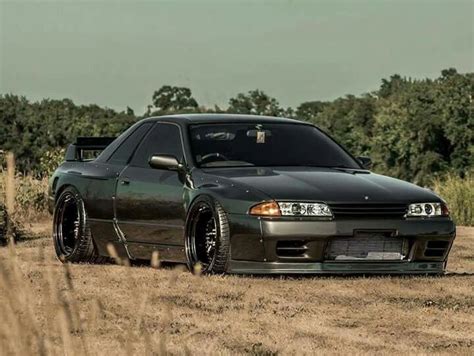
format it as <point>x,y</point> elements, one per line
<point>31,198</point>
<point>459,194</point>
<point>32,194</point>
<point>50,161</point>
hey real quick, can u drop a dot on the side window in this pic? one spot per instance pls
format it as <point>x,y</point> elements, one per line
<point>124,152</point>
<point>163,139</point>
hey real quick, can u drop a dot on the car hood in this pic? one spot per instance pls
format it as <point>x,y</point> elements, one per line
<point>324,184</point>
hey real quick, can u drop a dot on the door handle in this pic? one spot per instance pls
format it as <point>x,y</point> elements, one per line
<point>125,181</point>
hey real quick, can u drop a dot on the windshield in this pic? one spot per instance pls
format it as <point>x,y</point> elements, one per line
<point>235,145</point>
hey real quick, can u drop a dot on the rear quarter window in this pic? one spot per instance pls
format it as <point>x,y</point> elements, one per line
<point>124,152</point>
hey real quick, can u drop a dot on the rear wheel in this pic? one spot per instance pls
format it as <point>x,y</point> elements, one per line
<point>207,236</point>
<point>71,233</point>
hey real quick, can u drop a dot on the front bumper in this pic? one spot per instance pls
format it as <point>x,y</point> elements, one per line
<point>254,244</point>
<point>247,267</point>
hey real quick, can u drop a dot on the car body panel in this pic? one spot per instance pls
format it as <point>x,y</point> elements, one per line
<point>152,200</point>
<point>324,184</point>
<point>141,210</point>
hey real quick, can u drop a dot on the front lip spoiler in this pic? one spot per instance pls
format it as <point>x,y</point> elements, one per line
<point>344,268</point>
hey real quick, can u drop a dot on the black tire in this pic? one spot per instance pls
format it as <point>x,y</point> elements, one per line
<point>71,232</point>
<point>207,238</point>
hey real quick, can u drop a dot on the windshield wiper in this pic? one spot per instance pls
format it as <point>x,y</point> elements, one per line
<point>349,169</point>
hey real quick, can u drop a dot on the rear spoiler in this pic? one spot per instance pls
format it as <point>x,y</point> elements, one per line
<point>75,151</point>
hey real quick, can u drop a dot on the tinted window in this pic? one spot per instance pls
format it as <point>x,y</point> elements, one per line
<point>124,152</point>
<point>266,145</point>
<point>163,139</point>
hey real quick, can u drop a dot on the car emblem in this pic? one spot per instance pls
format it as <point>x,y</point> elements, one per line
<point>366,197</point>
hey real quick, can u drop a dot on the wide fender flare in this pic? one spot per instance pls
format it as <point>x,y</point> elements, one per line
<point>233,199</point>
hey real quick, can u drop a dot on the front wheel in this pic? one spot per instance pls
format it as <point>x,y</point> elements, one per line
<point>207,236</point>
<point>71,233</point>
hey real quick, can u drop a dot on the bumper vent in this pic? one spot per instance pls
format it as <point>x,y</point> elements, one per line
<point>291,248</point>
<point>436,248</point>
<point>367,248</point>
<point>392,211</point>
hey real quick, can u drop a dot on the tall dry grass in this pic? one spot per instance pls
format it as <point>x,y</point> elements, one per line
<point>31,201</point>
<point>64,331</point>
<point>64,328</point>
<point>23,200</point>
<point>50,308</point>
<point>7,209</point>
<point>459,194</point>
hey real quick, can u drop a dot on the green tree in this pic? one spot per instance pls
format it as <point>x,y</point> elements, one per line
<point>413,129</point>
<point>31,129</point>
<point>456,106</point>
<point>408,140</point>
<point>255,102</point>
<point>392,86</point>
<point>349,120</point>
<point>172,99</point>
<point>309,110</point>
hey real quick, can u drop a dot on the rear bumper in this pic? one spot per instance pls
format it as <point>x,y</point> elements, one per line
<point>254,244</point>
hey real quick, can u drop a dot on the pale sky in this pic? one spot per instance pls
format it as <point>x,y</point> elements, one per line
<point>116,53</point>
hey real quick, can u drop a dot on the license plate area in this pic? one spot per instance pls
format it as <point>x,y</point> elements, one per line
<point>368,245</point>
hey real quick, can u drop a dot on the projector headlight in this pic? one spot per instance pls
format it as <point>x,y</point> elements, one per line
<point>427,210</point>
<point>291,209</point>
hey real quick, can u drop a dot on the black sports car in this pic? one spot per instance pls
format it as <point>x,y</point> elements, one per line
<point>242,194</point>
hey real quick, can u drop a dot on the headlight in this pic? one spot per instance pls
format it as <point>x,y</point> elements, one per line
<point>291,209</point>
<point>427,209</point>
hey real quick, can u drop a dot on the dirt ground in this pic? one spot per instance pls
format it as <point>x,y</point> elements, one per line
<point>132,310</point>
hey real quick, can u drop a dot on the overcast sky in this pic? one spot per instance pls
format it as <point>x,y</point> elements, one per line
<point>116,53</point>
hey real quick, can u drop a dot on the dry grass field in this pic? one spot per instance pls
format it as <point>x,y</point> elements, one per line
<point>48,308</point>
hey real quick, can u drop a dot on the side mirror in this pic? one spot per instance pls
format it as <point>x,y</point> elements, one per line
<point>165,162</point>
<point>366,162</point>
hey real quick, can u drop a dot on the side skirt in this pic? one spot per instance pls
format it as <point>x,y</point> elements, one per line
<point>104,233</point>
<point>122,239</point>
<point>167,253</point>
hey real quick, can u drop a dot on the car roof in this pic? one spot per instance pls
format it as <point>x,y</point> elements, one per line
<point>223,118</point>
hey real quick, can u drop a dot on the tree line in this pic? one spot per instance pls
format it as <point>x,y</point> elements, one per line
<point>413,129</point>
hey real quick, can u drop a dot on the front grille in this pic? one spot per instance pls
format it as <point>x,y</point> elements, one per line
<point>368,248</point>
<point>392,211</point>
